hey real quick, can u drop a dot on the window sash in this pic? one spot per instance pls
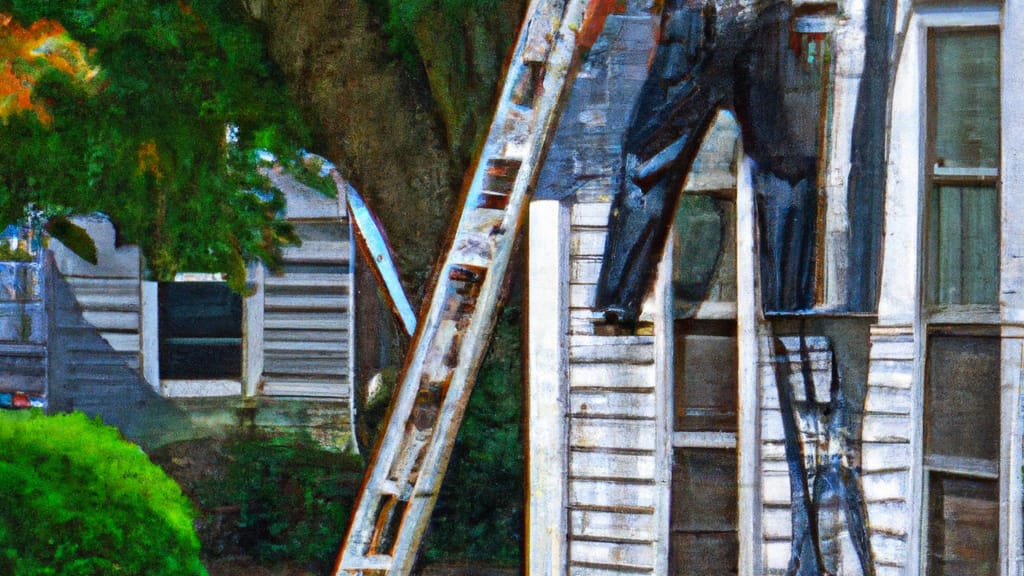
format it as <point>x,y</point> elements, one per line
<point>960,463</point>
<point>962,224</point>
<point>962,132</point>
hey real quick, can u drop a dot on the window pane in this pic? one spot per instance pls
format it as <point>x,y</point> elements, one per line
<point>962,397</point>
<point>704,496</point>
<point>966,98</point>
<point>963,526</point>
<point>705,253</point>
<point>705,376</point>
<point>200,330</point>
<point>963,245</point>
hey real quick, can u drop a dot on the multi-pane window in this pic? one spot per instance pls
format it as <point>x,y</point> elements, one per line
<point>703,518</point>
<point>704,537</point>
<point>963,167</point>
<point>961,451</point>
<point>962,377</point>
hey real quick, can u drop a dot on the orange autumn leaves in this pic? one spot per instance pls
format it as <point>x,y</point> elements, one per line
<point>26,53</point>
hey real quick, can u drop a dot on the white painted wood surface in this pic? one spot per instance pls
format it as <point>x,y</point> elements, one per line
<point>620,461</point>
<point>887,453</point>
<point>547,387</point>
<point>1012,288</point>
<point>664,367</point>
<point>109,292</point>
<point>748,405</point>
<point>150,357</point>
<point>299,323</point>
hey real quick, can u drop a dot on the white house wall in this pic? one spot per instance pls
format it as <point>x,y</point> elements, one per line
<point>597,395</point>
<point>296,325</point>
<point>109,291</point>
<point>893,412</point>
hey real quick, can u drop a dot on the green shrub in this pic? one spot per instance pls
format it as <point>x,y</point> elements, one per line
<point>294,497</point>
<point>78,500</point>
<point>15,255</point>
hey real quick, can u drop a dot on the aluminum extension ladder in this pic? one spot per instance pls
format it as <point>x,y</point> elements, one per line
<point>404,478</point>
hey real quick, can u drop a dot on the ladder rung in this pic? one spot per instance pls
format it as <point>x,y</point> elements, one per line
<point>374,562</point>
<point>389,487</point>
<point>401,485</point>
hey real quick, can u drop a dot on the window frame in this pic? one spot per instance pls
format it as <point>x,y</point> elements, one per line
<point>935,176</point>
<point>952,319</point>
<point>966,468</point>
<point>202,386</point>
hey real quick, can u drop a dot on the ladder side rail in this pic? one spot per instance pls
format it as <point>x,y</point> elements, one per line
<point>471,345</point>
<point>428,487</point>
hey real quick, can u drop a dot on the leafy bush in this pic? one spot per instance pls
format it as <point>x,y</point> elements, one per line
<point>294,497</point>
<point>79,500</point>
<point>479,513</point>
<point>15,255</point>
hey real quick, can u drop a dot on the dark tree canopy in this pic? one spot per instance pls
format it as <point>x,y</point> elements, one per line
<point>127,111</point>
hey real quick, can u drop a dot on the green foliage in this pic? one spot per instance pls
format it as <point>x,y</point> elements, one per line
<point>74,237</point>
<point>479,513</point>
<point>309,171</point>
<point>294,495</point>
<point>78,500</point>
<point>16,255</point>
<point>145,144</point>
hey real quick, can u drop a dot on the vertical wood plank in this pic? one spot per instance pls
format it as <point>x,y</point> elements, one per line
<point>1012,192</point>
<point>1011,167</point>
<point>748,492</point>
<point>252,329</point>
<point>547,382</point>
<point>663,388</point>
<point>1011,456</point>
<point>148,334</point>
<point>899,297</point>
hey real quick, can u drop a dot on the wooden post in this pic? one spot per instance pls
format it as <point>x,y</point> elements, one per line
<point>547,383</point>
<point>1012,279</point>
<point>748,408</point>
<point>252,329</point>
<point>149,318</point>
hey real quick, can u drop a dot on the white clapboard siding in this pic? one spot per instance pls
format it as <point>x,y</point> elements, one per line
<point>588,230</point>
<point>618,556</point>
<point>613,496</point>
<point>307,387</point>
<point>306,302</point>
<point>886,452</point>
<point>612,403</point>
<point>307,315</point>
<point>319,252</point>
<point>112,306</point>
<point>611,526</point>
<point>286,320</point>
<point>636,496</point>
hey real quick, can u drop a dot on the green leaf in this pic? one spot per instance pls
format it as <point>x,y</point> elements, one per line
<point>73,237</point>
